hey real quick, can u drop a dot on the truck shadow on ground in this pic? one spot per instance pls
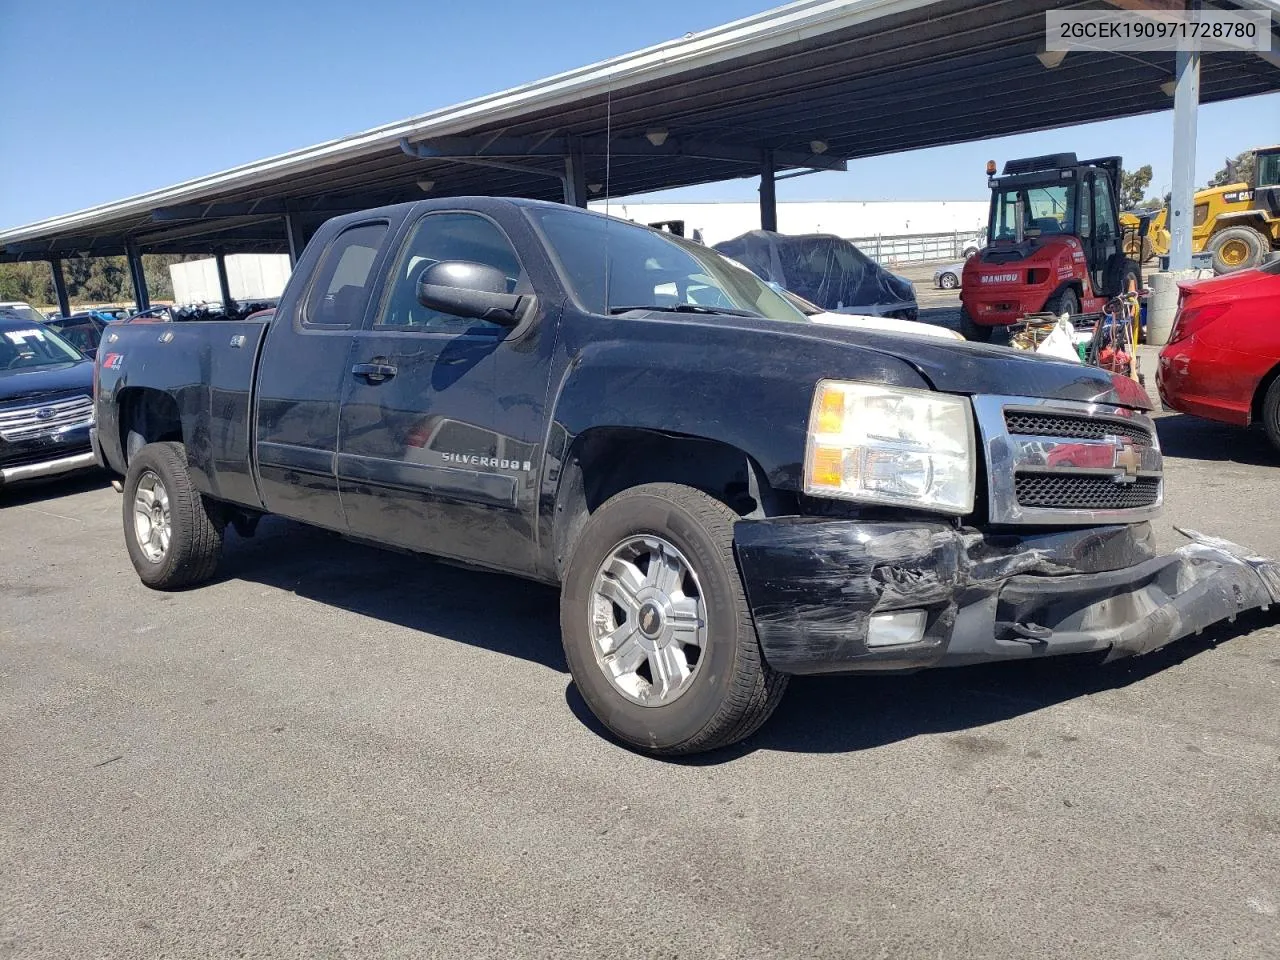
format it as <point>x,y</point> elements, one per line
<point>818,714</point>
<point>30,493</point>
<point>1192,438</point>
<point>500,613</point>
<point>852,713</point>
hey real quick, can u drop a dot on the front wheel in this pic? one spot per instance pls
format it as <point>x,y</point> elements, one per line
<point>1271,413</point>
<point>172,539</point>
<point>1237,248</point>
<point>1065,302</point>
<point>974,331</point>
<point>948,281</point>
<point>656,627</point>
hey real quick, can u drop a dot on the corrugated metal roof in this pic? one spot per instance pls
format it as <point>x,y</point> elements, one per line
<point>866,77</point>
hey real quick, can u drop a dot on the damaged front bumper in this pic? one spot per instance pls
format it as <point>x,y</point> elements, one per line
<point>815,584</point>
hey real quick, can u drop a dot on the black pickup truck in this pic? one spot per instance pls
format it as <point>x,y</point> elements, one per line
<point>725,493</point>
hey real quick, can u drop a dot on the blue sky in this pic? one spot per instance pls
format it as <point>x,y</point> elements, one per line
<point>104,100</point>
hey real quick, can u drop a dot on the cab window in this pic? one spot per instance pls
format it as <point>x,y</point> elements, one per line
<point>436,238</point>
<point>341,290</point>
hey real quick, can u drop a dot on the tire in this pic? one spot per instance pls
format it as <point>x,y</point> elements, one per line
<point>948,281</point>
<point>1237,248</point>
<point>1064,301</point>
<point>974,331</point>
<point>729,690</point>
<point>189,554</point>
<point>970,252</point>
<point>1271,413</point>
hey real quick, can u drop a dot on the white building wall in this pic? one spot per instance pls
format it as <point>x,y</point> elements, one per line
<point>844,218</point>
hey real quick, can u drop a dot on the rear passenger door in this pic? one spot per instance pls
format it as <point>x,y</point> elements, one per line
<point>302,375</point>
<point>422,461</point>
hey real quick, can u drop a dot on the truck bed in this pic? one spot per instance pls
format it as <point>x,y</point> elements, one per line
<point>207,368</point>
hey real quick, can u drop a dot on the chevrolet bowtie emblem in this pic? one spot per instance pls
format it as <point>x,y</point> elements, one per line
<point>1127,458</point>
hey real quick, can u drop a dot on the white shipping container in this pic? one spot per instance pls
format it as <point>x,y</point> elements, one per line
<point>251,276</point>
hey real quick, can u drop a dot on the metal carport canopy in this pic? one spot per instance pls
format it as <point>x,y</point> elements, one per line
<point>810,84</point>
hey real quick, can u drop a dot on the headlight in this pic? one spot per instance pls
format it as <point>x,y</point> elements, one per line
<point>877,444</point>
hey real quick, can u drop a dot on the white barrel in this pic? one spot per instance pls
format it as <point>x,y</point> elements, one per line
<point>1162,305</point>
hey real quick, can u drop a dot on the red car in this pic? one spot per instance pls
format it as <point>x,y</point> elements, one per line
<point>1223,357</point>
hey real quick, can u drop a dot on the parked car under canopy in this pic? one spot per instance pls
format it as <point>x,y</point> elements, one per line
<point>826,270</point>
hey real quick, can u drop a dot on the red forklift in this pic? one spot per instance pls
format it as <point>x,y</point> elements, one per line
<point>1054,244</point>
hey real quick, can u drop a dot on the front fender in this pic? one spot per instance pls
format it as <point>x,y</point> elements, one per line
<point>748,388</point>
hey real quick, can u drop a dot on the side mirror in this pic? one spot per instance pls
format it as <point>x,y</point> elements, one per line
<point>465,289</point>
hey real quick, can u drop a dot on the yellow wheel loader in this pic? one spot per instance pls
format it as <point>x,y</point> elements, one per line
<point>1238,224</point>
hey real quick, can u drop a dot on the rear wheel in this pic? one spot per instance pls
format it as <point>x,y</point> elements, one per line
<point>1065,301</point>
<point>172,539</point>
<point>656,627</point>
<point>1237,248</point>
<point>974,331</point>
<point>1271,413</point>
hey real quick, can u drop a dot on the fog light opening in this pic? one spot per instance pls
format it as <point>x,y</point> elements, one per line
<point>896,628</point>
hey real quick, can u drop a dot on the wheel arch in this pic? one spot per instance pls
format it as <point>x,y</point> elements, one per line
<point>1239,218</point>
<point>605,460</point>
<point>151,413</point>
<point>1073,284</point>
<point>1260,393</point>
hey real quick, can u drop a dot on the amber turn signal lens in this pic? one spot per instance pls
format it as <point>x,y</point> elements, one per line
<point>830,411</point>
<point>828,465</point>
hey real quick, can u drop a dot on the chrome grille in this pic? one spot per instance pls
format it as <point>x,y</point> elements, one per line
<point>49,416</point>
<point>1075,427</point>
<point>1076,491</point>
<point>1053,462</point>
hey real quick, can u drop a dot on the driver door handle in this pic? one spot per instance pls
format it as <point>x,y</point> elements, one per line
<point>374,372</point>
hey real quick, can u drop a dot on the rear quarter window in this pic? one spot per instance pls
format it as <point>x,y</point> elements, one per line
<point>340,291</point>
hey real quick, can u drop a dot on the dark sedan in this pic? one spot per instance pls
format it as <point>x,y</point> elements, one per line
<point>46,403</point>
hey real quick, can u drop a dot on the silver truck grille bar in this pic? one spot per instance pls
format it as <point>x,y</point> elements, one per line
<point>1060,462</point>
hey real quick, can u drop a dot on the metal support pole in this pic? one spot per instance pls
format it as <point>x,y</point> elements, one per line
<point>293,230</point>
<point>575,176</point>
<point>1186,100</point>
<point>768,194</point>
<point>223,283</point>
<point>138,276</point>
<point>60,287</point>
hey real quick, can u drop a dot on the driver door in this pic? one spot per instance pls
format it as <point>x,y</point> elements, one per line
<point>421,461</point>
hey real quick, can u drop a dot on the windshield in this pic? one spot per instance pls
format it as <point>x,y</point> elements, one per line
<point>646,268</point>
<point>22,311</point>
<point>24,348</point>
<point>1048,209</point>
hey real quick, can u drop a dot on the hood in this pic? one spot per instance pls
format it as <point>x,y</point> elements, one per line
<point>62,378</point>
<point>1032,248</point>
<point>912,328</point>
<point>961,366</point>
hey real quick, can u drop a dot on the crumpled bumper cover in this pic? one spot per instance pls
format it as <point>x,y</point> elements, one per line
<point>813,585</point>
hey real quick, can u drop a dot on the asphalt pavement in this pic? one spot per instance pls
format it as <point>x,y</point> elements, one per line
<point>333,751</point>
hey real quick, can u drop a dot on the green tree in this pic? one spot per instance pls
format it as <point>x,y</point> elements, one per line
<point>1133,186</point>
<point>1236,170</point>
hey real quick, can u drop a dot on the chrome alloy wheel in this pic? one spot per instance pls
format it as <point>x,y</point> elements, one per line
<point>151,519</point>
<point>648,621</point>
